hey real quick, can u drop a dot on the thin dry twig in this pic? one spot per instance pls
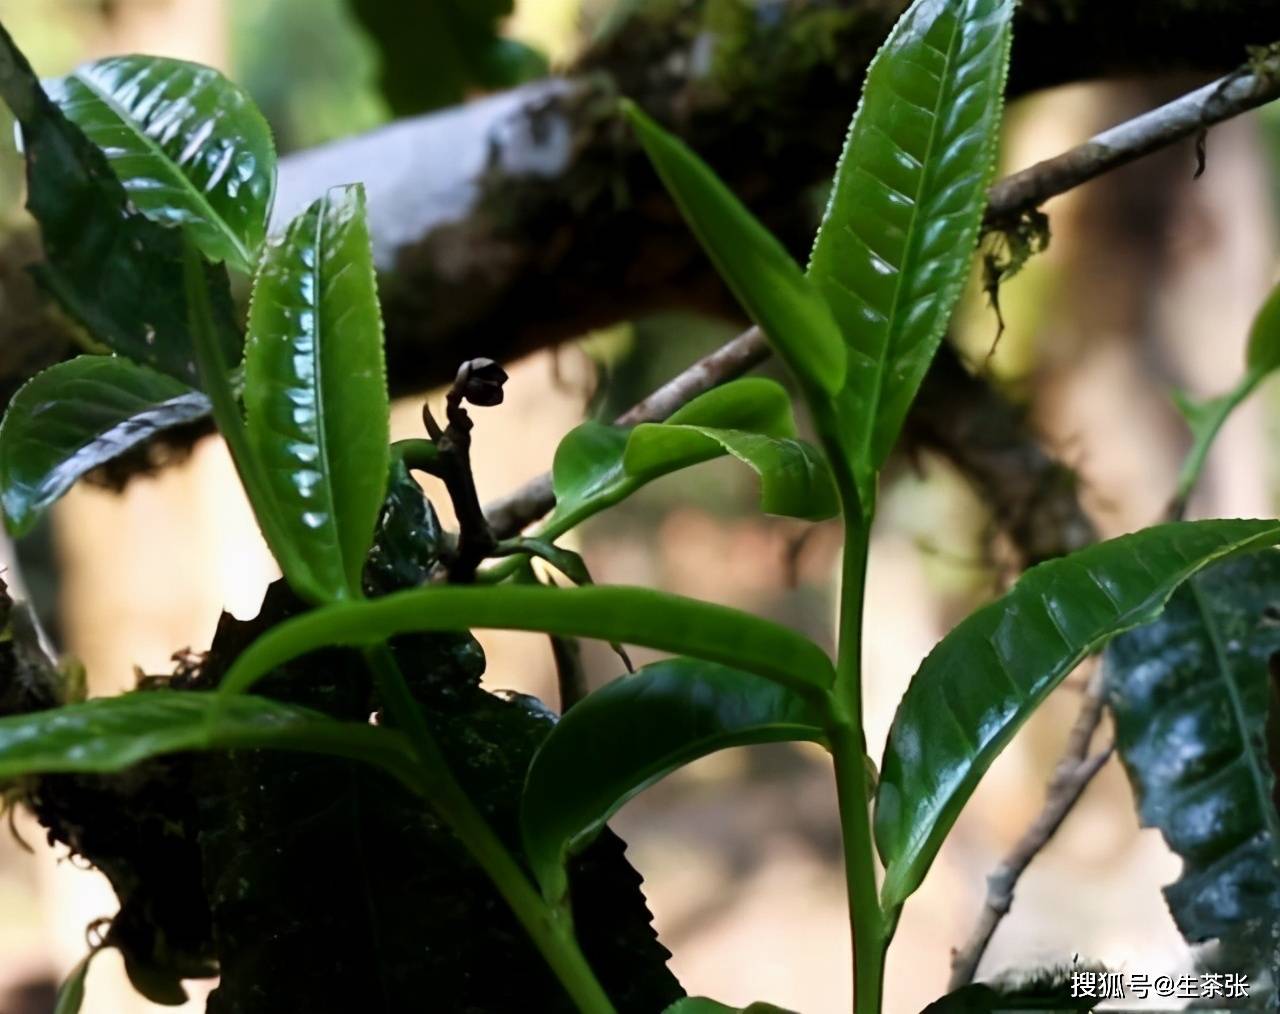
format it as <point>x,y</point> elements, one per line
<point>1190,115</point>
<point>1071,777</point>
<point>1022,192</point>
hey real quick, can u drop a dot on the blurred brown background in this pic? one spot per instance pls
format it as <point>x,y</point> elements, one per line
<point>1150,282</point>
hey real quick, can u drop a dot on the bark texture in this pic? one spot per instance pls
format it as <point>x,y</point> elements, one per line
<point>531,217</point>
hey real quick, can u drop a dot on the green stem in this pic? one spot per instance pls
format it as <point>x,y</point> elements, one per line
<point>1206,420</point>
<point>848,747</point>
<point>417,454</point>
<point>549,928</point>
<point>867,926</point>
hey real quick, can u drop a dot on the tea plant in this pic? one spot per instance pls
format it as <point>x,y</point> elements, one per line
<point>151,178</point>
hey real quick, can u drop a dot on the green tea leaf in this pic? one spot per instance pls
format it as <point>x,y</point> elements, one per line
<point>75,416</point>
<point>627,735</point>
<point>566,561</point>
<point>627,615</point>
<point>597,466</point>
<point>988,675</point>
<point>114,270</point>
<point>71,992</point>
<point>1263,353</point>
<point>189,146</point>
<point>109,734</point>
<point>895,246</point>
<point>316,409</point>
<point>794,478</point>
<point>770,285</point>
<point>1190,694</point>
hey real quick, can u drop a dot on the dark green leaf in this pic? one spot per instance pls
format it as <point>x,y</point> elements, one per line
<point>189,146</point>
<point>626,615</point>
<point>434,52</point>
<point>636,730</point>
<point>991,672</point>
<point>316,393</point>
<point>895,246</point>
<point>75,416</point>
<point>770,285</point>
<point>1190,695</point>
<point>383,933</point>
<point>409,541</point>
<point>110,734</point>
<point>597,466</point>
<point>1263,354</point>
<point>113,269</point>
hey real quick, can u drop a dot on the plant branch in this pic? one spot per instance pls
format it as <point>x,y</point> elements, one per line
<point>1253,85</point>
<point>1073,774</point>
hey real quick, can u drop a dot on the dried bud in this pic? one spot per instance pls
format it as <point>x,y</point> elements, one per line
<point>480,382</point>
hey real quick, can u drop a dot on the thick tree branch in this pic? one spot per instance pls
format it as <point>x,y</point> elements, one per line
<point>530,217</point>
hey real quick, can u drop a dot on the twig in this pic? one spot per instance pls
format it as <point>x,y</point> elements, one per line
<point>1073,774</point>
<point>479,381</point>
<point>1251,86</point>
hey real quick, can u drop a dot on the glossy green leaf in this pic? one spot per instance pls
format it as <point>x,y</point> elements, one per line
<point>794,478</point>
<point>109,734</point>
<point>75,416</point>
<point>988,675</point>
<point>765,279</point>
<point>1263,353</point>
<point>316,409</point>
<point>110,267</point>
<point>189,146</point>
<point>1190,694</point>
<point>597,466</point>
<point>627,615</point>
<point>894,249</point>
<point>627,735</point>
